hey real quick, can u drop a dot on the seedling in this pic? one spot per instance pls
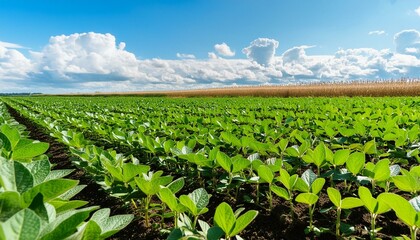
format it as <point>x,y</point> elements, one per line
<point>407,211</point>
<point>374,206</point>
<point>231,223</point>
<point>289,183</point>
<point>346,203</point>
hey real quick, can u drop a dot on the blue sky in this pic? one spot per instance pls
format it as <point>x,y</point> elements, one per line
<point>182,37</point>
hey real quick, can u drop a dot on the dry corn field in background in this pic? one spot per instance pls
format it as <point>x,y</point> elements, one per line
<point>387,88</point>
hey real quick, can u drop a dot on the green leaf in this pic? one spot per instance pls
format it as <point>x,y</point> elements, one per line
<point>381,170</point>
<point>12,134</point>
<point>49,190</point>
<point>403,209</point>
<point>239,163</point>
<point>335,196</point>
<point>92,231</point>
<point>265,173</point>
<point>243,221</point>
<point>24,225</point>
<point>317,185</point>
<point>370,147</point>
<point>407,183</point>
<point>355,162</point>
<point>224,218</point>
<point>285,178</point>
<point>9,204</point>
<point>30,151</point>
<point>131,170</point>
<point>341,157</point>
<point>224,161</point>
<point>176,185</point>
<point>23,178</point>
<point>168,197</point>
<point>110,225</point>
<point>309,177</point>
<point>65,224</point>
<point>196,201</point>
<point>5,143</point>
<point>368,201</point>
<point>319,154</point>
<point>351,202</point>
<point>281,192</point>
<point>307,198</point>
<point>39,170</point>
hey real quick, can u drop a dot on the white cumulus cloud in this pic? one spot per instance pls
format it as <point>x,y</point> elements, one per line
<point>408,42</point>
<point>262,51</point>
<point>13,64</point>
<point>417,11</point>
<point>185,56</point>
<point>224,50</point>
<point>377,32</point>
<point>86,56</point>
<point>84,62</point>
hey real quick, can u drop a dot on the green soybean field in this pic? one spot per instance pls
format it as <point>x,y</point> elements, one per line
<point>124,167</point>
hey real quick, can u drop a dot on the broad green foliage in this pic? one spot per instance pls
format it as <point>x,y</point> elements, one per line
<point>35,201</point>
<point>219,145</point>
<point>232,223</point>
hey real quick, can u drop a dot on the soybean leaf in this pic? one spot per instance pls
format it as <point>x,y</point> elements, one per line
<point>243,221</point>
<point>351,202</point>
<point>224,218</point>
<point>24,225</point>
<point>265,173</point>
<point>355,162</point>
<point>335,196</point>
<point>307,198</point>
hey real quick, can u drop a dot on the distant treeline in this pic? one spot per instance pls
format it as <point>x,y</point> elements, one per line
<point>18,94</point>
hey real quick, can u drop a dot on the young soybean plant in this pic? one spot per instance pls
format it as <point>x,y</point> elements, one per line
<point>374,206</point>
<point>346,203</point>
<point>311,186</point>
<point>289,182</point>
<point>266,174</point>
<point>407,211</point>
<point>231,223</point>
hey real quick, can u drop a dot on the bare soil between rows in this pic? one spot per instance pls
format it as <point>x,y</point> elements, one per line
<point>277,224</point>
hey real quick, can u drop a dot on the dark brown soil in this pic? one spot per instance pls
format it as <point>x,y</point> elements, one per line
<point>277,224</point>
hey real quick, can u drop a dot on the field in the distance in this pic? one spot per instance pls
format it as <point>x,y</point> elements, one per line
<point>351,89</point>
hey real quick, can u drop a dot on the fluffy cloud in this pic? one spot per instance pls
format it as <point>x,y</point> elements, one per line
<point>185,56</point>
<point>86,56</point>
<point>13,64</point>
<point>262,51</point>
<point>97,62</point>
<point>224,50</point>
<point>10,45</point>
<point>408,42</point>
<point>377,32</point>
<point>417,11</point>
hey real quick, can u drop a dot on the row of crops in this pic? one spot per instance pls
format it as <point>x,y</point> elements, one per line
<point>36,201</point>
<point>168,158</point>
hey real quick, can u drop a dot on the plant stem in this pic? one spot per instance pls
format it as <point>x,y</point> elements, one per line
<point>372,225</point>
<point>270,198</point>
<point>337,223</point>
<point>195,221</point>
<point>258,193</point>
<point>373,187</point>
<point>292,214</point>
<point>413,232</point>
<point>176,219</point>
<point>146,207</point>
<point>311,213</point>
